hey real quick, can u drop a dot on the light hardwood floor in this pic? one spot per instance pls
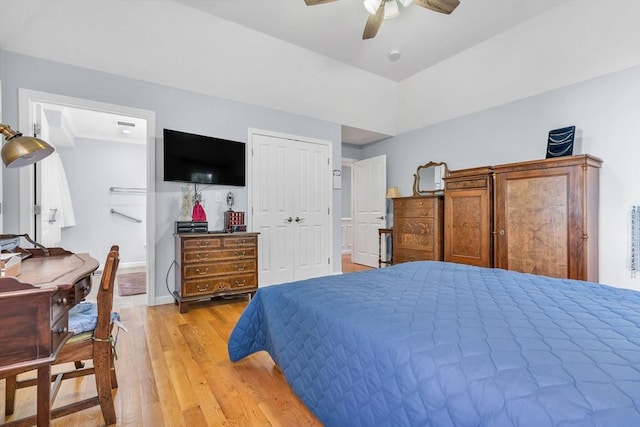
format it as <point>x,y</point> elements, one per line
<point>173,370</point>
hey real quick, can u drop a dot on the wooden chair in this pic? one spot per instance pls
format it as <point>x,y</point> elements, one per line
<point>95,345</point>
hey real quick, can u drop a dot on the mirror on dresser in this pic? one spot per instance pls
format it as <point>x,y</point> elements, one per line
<point>428,179</point>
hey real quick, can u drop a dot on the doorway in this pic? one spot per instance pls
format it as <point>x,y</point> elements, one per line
<point>111,180</point>
<point>369,208</point>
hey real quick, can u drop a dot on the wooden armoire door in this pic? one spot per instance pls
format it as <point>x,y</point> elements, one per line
<point>546,217</point>
<point>468,217</point>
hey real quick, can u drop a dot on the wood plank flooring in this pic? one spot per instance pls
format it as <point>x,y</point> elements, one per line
<point>173,370</point>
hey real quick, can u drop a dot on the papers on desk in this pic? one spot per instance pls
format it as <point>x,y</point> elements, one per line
<point>10,264</point>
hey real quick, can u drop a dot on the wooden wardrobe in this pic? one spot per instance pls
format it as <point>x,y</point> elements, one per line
<point>468,210</point>
<point>540,217</point>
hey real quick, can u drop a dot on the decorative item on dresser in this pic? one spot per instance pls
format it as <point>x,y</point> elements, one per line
<point>468,217</point>
<point>546,217</point>
<point>417,229</point>
<point>214,264</point>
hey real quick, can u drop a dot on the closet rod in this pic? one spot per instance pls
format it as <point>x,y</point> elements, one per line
<point>113,211</point>
<point>128,190</point>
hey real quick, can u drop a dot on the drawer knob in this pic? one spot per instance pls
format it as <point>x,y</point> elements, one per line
<point>62,301</point>
<point>62,330</point>
<point>240,267</point>
<point>240,254</point>
<point>201,256</point>
<point>203,244</point>
<point>206,270</point>
<point>239,283</point>
<point>240,241</point>
<point>203,288</point>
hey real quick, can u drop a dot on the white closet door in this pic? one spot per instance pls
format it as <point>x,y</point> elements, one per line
<point>291,182</point>
<point>272,207</point>
<point>312,218</point>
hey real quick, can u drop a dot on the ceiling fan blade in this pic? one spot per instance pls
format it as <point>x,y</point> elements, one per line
<point>373,23</point>
<point>442,6</point>
<point>314,2</point>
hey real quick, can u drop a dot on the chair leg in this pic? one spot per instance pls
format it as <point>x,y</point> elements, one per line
<point>10,395</point>
<point>102,367</point>
<point>114,377</point>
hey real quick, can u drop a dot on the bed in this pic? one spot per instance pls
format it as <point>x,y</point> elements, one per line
<point>443,344</point>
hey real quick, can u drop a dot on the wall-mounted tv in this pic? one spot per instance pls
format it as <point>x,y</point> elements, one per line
<point>203,159</point>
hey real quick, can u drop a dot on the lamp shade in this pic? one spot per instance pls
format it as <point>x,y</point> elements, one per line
<point>393,192</point>
<point>21,150</point>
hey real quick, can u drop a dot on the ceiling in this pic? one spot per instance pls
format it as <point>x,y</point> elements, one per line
<point>67,124</point>
<point>423,37</point>
<point>334,30</point>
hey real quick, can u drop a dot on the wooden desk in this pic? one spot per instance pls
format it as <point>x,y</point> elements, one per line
<point>34,313</point>
<point>384,232</point>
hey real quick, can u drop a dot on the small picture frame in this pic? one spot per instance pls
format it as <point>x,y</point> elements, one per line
<point>560,142</point>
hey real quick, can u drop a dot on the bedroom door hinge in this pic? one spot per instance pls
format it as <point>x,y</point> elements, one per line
<point>329,260</point>
<point>36,129</point>
<point>37,209</point>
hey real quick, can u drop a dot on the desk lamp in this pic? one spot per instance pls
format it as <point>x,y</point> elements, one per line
<point>21,150</point>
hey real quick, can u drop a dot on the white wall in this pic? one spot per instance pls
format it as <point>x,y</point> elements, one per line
<point>573,42</point>
<point>120,165</point>
<point>174,109</point>
<point>605,111</point>
<point>171,44</point>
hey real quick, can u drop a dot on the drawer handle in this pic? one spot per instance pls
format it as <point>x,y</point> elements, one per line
<point>202,288</point>
<point>62,330</point>
<point>240,241</point>
<point>203,244</point>
<point>242,267</point>
<point>202,272</point>
<point>240,254</point>
<point>239,283</point>
<point>200,256</point>
<point>62,301</point>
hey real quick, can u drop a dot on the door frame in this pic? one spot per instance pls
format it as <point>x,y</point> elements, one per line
<point>26,99</point>
<point>250,190</point>
<point>347,161</point>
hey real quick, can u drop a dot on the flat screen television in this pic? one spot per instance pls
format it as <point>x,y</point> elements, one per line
<point>203,159</point>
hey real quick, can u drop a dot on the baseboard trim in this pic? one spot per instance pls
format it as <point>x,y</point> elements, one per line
<point>165,299</point>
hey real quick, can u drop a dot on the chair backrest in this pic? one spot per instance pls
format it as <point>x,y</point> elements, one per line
<point>105,294</point>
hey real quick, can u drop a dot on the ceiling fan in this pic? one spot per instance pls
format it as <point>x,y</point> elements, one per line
<point>380,10</point>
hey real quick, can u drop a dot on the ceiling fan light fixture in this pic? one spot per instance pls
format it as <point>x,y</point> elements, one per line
<point>372,6</point>
<point>391,9</point>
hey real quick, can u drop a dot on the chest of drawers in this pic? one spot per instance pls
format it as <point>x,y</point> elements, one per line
<point>214,264</point>
<point>417,229</point>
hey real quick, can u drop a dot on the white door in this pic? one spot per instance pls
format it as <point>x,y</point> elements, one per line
<point>52,197</point>
<point>311,222</point>
<point>290,188</point>
<point>369,208</point>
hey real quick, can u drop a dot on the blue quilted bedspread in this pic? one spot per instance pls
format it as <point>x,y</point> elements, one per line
<point>440,344</point>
